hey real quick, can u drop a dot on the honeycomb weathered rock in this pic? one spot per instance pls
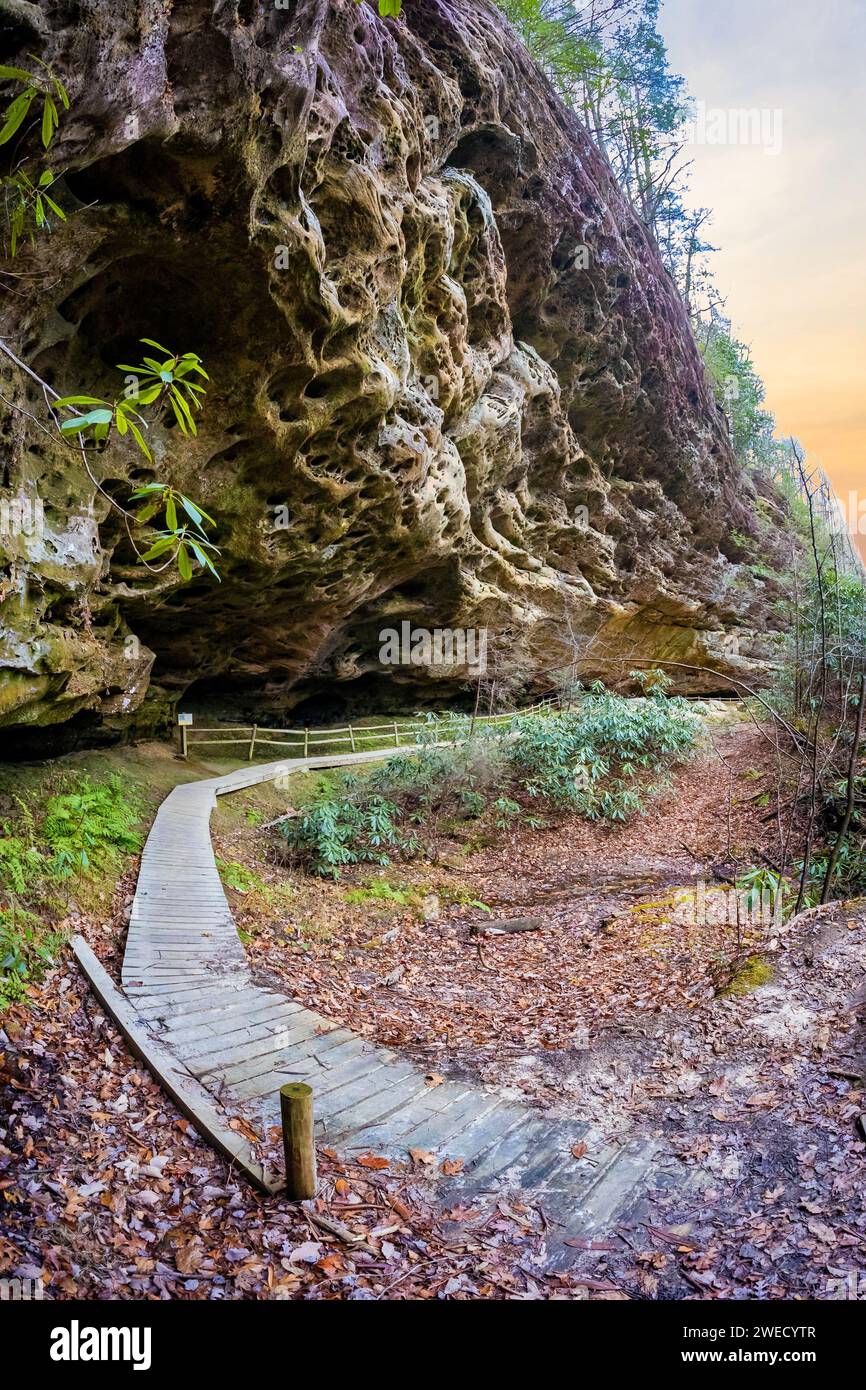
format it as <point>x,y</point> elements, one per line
<point>443,353</point>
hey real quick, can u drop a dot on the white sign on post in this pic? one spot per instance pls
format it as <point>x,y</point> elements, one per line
<point>184,719</point>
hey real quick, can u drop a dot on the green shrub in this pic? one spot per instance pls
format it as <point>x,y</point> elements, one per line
<point>26,950</point>
<point>598,761</point>
<point>20,863</point>
<point>434,782</point>
<point>82,828</point>
<point>78,830</point>
<point>592,759</point>
<point>360,827</point>
<point>849,880</point>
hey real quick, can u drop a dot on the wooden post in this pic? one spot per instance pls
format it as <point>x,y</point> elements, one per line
<point>396,735</point>
<point>296,1110</point>
<point>252,744</point>
<point>352,737</point>
<point>306,739</point>
<point>184,721</point>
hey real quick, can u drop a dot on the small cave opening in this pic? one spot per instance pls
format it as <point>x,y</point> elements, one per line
<point>123,177</point>
<point>146,297</point>
<point>505,167</point>
<point>493,156</point>
<point>39,743</point>
<point>20,33</point>
<point>398,693</point>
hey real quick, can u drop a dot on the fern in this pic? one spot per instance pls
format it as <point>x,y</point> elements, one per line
<point>85,828</point>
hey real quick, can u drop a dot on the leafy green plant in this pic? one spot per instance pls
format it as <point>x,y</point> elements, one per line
<point>761,886</point>
<point>598,761</point>
<point>595,759</point>
<point>850,872</point>
<point>388,9</point>
<point>473,802</point>
<point>28,205</point>
<point>183,540</point>
<point>168,383</point>
<point>20,862</point>
<point>165,386</point>
<point>26,199</point>
<point>42,84</point>
<point>237,876</point>
<point>85,827</point>
<point>362,827</point>
<point>79,831</point>
<point>506,810</point>
<point>26,951</point>
<point>102,418</point>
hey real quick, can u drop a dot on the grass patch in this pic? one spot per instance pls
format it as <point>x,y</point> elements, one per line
<point>68,830</point>
<point>752,974</point>
<point>381,891</point>
<point>75,838</point>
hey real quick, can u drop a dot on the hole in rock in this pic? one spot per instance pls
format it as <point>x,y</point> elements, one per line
<point>170,301</point>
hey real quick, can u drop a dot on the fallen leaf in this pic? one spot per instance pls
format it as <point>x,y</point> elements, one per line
<point>822,1231</point>
<point>240,1126</point>
<point>762,1100</point>
<point>308,1253</point>
<point>189,1258</point>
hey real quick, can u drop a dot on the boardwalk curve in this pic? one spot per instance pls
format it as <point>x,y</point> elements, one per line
<point>192,1010</point>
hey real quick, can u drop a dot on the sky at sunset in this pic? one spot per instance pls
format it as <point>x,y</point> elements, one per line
<point>791,227</point>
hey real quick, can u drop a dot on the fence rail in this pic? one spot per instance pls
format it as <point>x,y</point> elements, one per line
<point>391,734</point>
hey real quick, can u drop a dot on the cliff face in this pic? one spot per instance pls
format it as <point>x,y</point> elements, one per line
<point>450,380</point>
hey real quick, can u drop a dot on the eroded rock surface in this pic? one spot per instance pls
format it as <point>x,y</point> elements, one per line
<point>450,380</point>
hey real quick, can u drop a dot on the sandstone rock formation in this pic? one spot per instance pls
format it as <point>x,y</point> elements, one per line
<point>450,380</point>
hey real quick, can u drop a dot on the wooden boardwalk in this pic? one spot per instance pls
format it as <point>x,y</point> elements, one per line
<point>187,979</point>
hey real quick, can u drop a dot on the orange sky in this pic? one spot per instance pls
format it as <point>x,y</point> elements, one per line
<point>791,227</point>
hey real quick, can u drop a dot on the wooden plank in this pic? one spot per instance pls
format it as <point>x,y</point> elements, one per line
<point>263,1086</point>
<point>224,1030</point>
<point>190,1097</point>
<point>241,1062</point>
<point>225,1050</point>
<point>223,1010</point>
<point>498,1155</point>
<point>398,1084</point>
